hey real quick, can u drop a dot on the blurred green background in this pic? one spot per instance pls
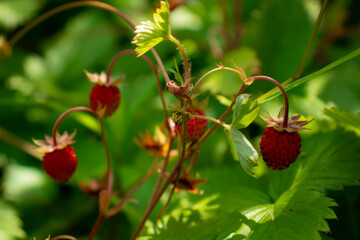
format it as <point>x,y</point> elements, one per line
<point>44,76</point>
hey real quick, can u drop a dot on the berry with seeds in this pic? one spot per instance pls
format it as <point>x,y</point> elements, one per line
<point>280,144</point>
<point>60,160</point>
<point>195,127</point>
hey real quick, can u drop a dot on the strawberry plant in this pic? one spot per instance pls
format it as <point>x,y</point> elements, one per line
<point>173,101</point>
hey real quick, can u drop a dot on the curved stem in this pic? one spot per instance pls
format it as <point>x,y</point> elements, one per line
<point>64,237</point>
<point>62,116</point>
<point>152,66</point>
<point>186,65</point>
<point>286,101</point>
<point>240,74</point>
<point>71,5</point>
<point>64,7</point>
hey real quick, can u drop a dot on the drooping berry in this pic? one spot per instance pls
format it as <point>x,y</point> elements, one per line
<point>280,144</point>
<point>195,127</point>
<point>105,95</point>
<point>60,164</point>
<point>104,100</point>
<point>59,160</point>
<point>280,148</point>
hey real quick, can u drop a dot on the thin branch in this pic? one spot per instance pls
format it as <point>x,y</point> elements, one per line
<point>125,199</point>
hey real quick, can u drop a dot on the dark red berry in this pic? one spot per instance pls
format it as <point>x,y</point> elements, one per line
<point>107,97</point>
<point>195,127</point>
<point>60,164</point>
<point>280,148</point>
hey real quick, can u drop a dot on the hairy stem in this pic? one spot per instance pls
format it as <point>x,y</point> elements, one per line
<point>239,73</point>
<point>186,65</point>
<point>62,116</point>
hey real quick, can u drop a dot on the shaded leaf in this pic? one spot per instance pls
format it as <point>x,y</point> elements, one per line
<point>149,34</point>
<point>245,111</point>
<point>242,150</point>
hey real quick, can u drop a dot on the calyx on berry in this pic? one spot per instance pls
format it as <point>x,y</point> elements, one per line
<point>60,160</point>
<point>292,124</point>
<point>105,95</point>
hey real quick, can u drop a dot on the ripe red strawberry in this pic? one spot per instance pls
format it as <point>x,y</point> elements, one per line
<point>104,100</point>
<point>60,160</point>
<point>195,127</point>
<point>280,144</point>
<point>60,164</point>
<point>280,149</point>
<point>105,95</point>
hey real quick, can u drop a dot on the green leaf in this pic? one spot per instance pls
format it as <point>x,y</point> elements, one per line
<point>346,119</point>
<point>10,224</point>
<point>313,75</point>
<point>242,150</point>
<point>245,111</point>
<point>15,13</point>
<point>149,34</point>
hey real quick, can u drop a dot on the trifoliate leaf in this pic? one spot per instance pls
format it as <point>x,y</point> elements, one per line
<point>242,150</point>
<point>245,111</point>
<point>149,34</point>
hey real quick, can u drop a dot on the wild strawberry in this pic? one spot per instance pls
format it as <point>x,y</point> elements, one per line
<point>280,145</point>
<point>195,127</point>
<point>60,160</point>
<point>105,95</point>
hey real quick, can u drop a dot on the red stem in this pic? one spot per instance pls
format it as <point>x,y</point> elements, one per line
<point>286,101</point>
<point>62,116</point>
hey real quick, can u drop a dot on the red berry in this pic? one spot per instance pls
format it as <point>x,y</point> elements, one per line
<point>280,148</point>
<point>107,97</point>
<point>60,164</point>
<point>195,127</point>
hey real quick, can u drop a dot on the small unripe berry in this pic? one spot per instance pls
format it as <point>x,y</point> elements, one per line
<point>195,127</point>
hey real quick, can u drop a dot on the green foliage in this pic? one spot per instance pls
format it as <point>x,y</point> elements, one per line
<point>149,34</point>
<point>346,119</point>
<point>298,213</point>
<point>245,111</point>
<point>10,223</point>
<point>242,150</point>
